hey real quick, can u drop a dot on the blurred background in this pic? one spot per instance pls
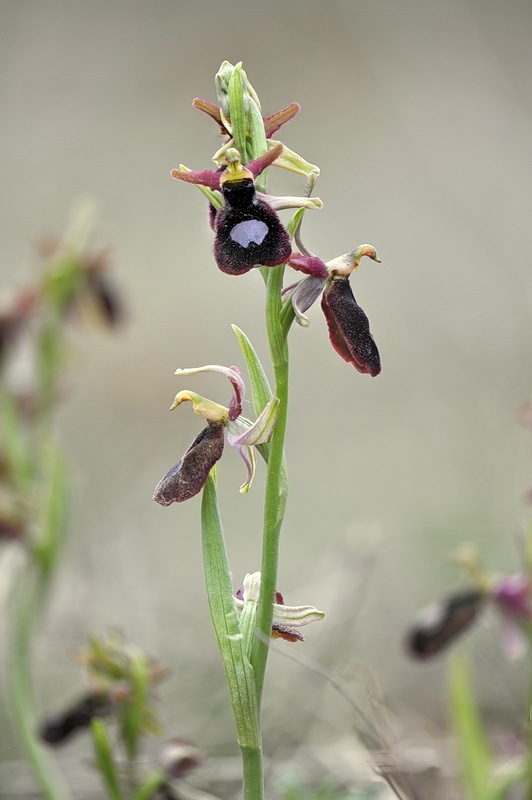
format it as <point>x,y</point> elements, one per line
<point>419,116</point>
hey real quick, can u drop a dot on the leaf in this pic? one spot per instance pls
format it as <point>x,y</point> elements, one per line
<point>472,744</point>
<point>238,670</point>
<point>261,392</point>
<point>104,759</point>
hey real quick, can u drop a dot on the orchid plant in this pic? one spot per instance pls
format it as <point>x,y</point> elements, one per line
<point>248,235</point>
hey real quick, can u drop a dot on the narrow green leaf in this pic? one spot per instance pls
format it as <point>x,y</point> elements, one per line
<point>238,670</point>
<point>104,759</point>
<point>472,744</point>
<point>261,392</point>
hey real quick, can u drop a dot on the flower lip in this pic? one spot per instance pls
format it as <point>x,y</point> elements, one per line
<point>189,475</point>
<point>349,329</point>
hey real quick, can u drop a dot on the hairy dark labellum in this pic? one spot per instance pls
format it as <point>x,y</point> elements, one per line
<point>248,232</point>
<point>440,624</point>
<point>189,475</point>
<point>349,327</point>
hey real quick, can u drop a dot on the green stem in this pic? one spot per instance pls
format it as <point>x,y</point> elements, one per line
<point>276,480</point>
<point>26,603</point>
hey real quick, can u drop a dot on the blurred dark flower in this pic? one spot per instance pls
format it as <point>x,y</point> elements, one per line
<point>443,622</point>
<point>189,475</point>
<point>440,624</point>
<point>348,325</point>
<point>75,274</point>
<point>59,728</point>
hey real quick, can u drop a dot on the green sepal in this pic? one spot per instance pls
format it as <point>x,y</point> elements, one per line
<point>104,759</point>
<point>293,162</point>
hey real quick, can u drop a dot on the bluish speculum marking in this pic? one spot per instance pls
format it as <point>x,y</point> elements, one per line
<point>248,232</point>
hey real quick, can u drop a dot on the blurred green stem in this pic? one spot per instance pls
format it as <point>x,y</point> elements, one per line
<point>26,601</point>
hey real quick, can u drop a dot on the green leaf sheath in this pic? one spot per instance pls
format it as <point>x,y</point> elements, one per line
<point>238,670</point>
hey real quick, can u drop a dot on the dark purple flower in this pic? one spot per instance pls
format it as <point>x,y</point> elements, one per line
<point>348,325</point>
<point>189,475</point>
<point>248,232</point>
